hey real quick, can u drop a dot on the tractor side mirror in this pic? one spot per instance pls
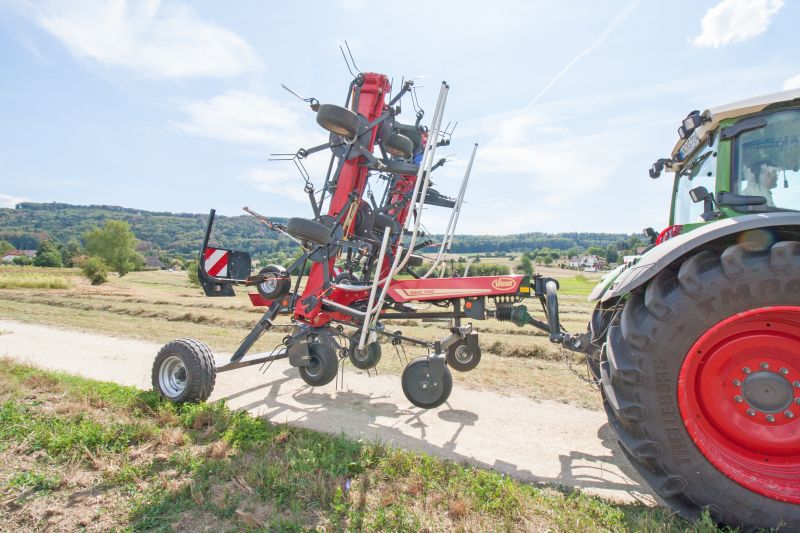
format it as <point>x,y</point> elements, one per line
<point>698,194</point>
<point>729,198</point>
<point>656,169</point>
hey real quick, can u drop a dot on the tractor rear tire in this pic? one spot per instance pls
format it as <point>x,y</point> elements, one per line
<point>184,371</point>
<point>322,368</point>
<point>338,120</point>
<point>701,382</point>
<point>398,146</point>
<point>309,230</point>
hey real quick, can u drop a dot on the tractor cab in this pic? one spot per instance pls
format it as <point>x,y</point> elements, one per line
<point>736,159</point>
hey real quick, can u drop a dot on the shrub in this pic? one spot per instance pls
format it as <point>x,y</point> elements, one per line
<point>95,270</point>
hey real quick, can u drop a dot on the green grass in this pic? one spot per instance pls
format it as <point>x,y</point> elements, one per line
<point>576,286</point>
<point>162,466</point>
<point>27,277</point>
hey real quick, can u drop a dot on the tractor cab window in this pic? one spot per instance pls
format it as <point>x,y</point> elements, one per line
<point>700,170</point>
<point>767,163</point>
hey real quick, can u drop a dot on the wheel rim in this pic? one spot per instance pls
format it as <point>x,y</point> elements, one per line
<point>269,285</point>
<point>420,384</point>
<point>462,355</point>
<point>314,368</point>
<point>739,397</point>
<point>172,376</point>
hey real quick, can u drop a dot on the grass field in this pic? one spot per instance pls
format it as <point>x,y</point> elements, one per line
<point>77,454</point>
<point>15,277</point>
<point>159,306</point>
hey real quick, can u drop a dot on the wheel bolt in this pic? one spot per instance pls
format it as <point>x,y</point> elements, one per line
<point>797,384</point>
<point>797,401</point>
<point>770,418</point>
<point>765,365</point>
<point>737,383</point>
<point>784,371</point>
<point>738,399</point>
<point>751,412</point>
<point>746,370</point>
<point>788,414</point>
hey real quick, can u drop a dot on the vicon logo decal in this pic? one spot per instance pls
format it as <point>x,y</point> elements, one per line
<point>501,284</point>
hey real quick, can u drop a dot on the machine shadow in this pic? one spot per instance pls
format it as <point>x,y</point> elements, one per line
<point>377,417</point>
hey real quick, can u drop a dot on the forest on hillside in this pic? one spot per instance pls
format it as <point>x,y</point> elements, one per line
<point>181,234</point>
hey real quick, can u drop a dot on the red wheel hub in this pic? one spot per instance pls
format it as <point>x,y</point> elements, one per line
<point>739,397</point>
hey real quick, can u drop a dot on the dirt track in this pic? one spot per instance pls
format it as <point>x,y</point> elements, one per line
<point>545,442</point>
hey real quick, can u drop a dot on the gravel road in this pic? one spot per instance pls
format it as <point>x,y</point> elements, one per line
<point>546,442</point>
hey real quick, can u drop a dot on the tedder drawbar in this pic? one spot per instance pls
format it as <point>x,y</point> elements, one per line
<point>356,246</point>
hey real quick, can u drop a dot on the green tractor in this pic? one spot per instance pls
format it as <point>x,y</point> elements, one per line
<point>696,343</point>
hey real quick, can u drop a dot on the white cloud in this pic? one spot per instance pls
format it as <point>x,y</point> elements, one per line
<point>792,83</point>
<point>151,39</point>
<point>734,21</point>
<point>6,200</point>
<point>245,118</point>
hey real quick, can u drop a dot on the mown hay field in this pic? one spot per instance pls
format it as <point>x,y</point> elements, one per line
<point>160,306</point>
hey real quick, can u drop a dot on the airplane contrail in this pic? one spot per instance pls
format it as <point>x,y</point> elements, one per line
<point>619,19</point>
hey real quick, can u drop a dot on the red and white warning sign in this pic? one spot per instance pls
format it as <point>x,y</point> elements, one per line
<point>216,262</point>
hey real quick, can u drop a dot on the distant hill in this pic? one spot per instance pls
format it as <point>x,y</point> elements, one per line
<point>182,233</point>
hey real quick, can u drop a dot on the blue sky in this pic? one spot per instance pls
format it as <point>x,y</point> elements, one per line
<point>176,106</point>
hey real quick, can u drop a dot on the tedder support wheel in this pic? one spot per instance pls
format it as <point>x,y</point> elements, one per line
<point>422,388</point>
<point>338,120</point>
<point>461,358</point>
<point>366,358</point>
<point>323,366</point>
<point>398,145</point>
<point>414,260</point>
<point>701,382</point>
<point>275,284</point>
<point>184,371</point>
<point>309,230</point>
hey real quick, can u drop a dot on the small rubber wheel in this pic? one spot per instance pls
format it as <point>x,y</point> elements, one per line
<point>380,222</point>
<point>339,120</point>
<point>421,389</point>
<point>275,284</point>
<point>398,145</point>
<point>366,358</point>
<point>322,368</point>
<point>184,371</point>
<point>415,260</point>
<point>461,358</point>
<point>309,230</point>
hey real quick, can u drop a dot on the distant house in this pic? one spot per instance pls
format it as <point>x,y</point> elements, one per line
<point>9,257</point>
<point>585,262</point>
<point>152,262</point>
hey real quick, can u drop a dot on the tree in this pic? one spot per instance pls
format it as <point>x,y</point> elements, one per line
<point>48,256</point>
<point>192,275</point>
<point>115,244</point>
<point>548,259</point>
<point>5,247</point>
<point>22,260</point>
<point>525,266</point>
<point>96,270</point>
<point>71,250</point>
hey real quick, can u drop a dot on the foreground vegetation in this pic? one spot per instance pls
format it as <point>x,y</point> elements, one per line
<point>80,454</point>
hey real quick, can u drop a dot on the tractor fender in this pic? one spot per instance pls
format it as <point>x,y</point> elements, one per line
<point>666,253</point>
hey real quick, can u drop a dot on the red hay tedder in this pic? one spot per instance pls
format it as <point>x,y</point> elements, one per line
<point>356,247</point>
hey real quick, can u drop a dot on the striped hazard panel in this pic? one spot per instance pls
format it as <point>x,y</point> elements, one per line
<point>216,262</point>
